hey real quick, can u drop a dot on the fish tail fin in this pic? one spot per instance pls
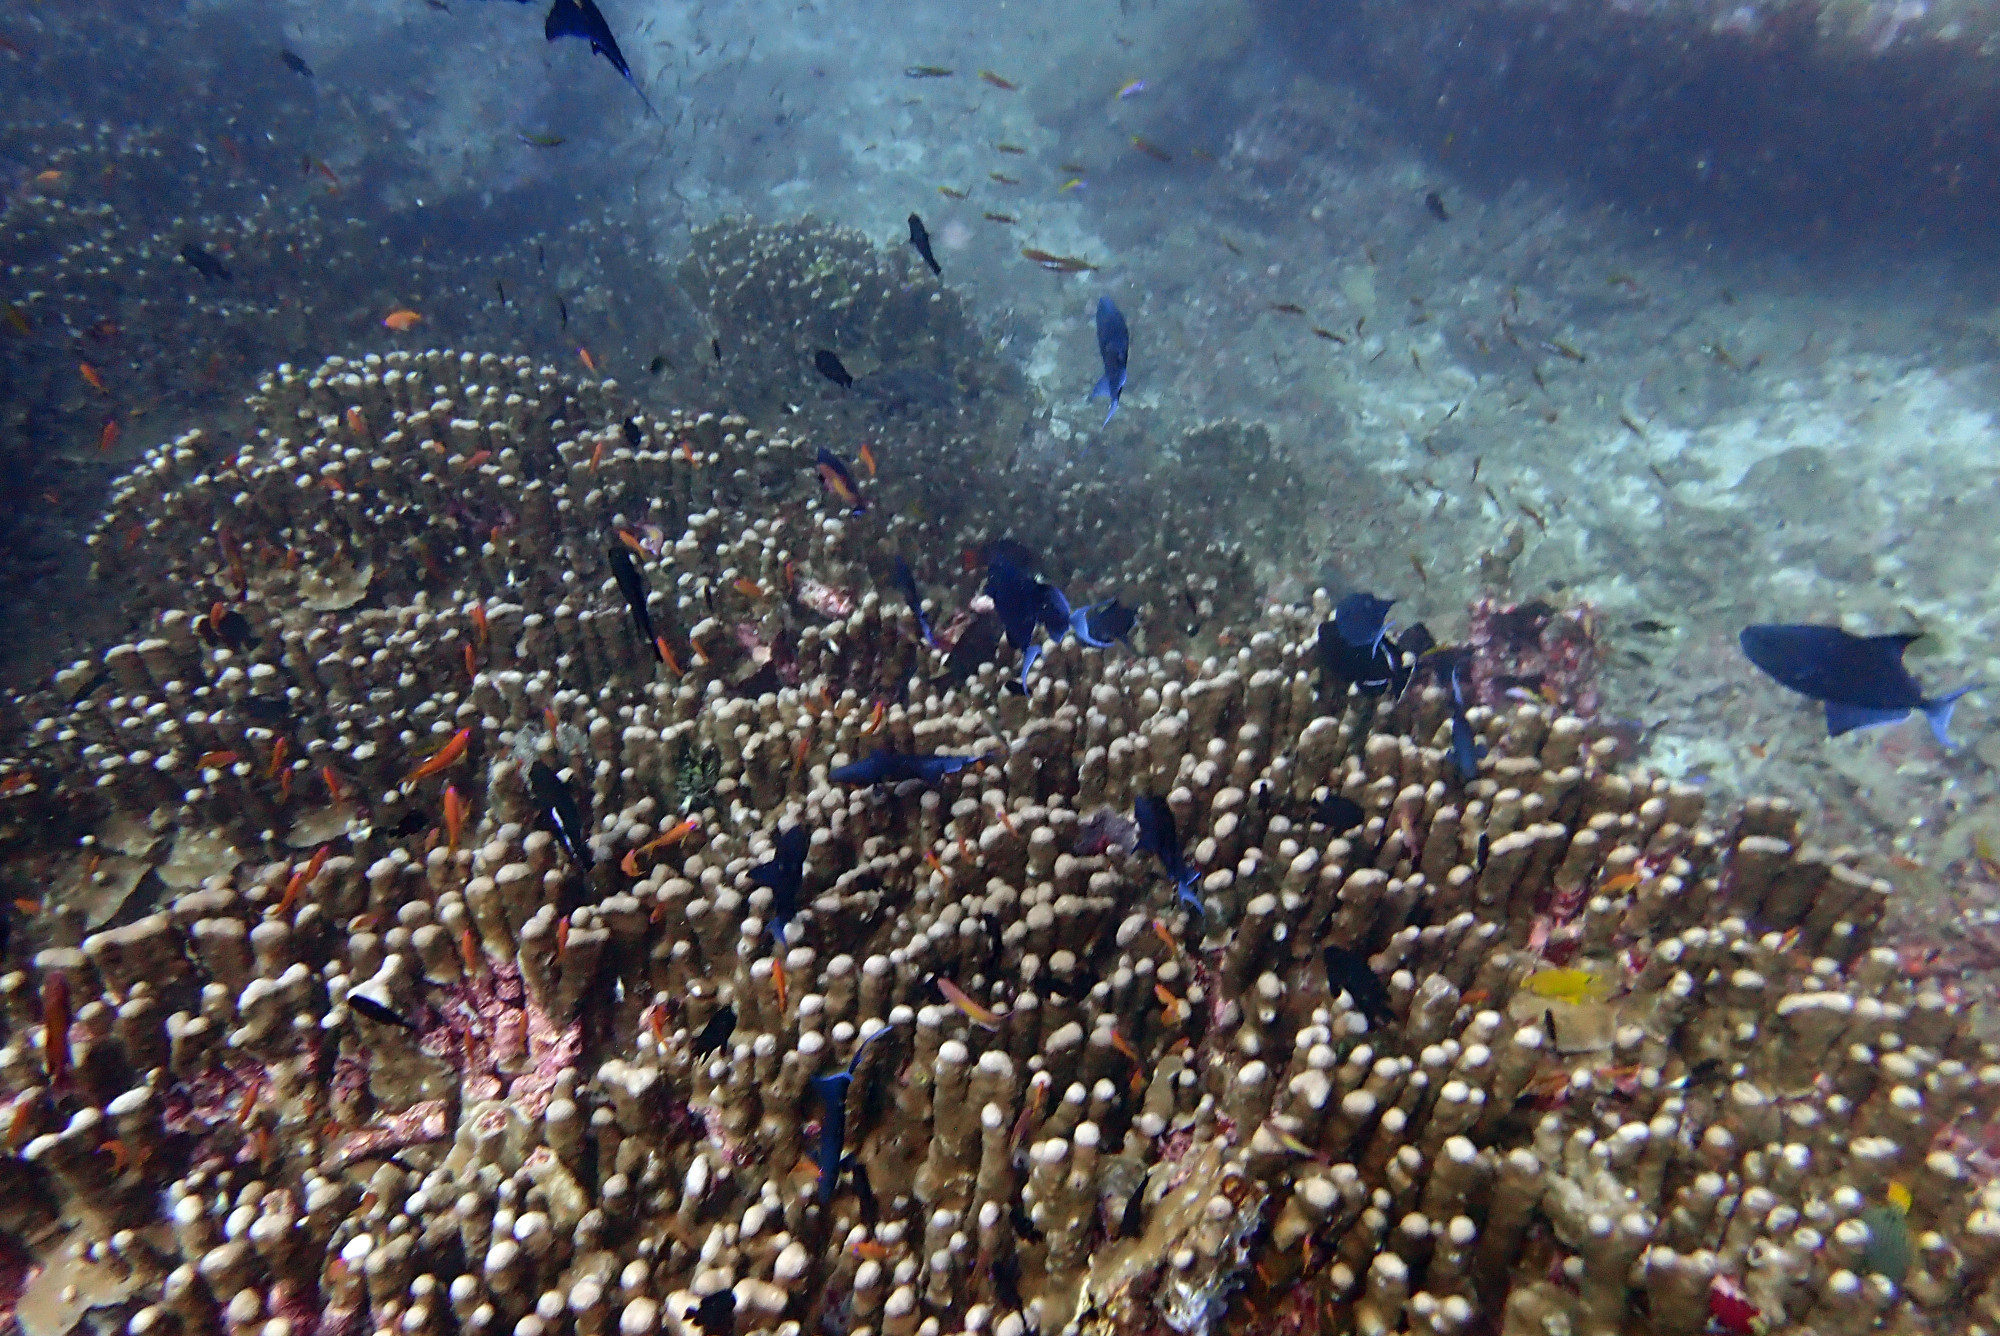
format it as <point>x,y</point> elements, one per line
<point>1184,885</point>
<point>1113,413</point>
<point>1938,713</point>
<point>1102,390</point>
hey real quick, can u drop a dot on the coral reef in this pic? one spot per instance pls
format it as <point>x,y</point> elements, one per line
<point>391,1053</point>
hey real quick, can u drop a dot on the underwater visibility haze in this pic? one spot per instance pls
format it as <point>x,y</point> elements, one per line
<point>911,669</point>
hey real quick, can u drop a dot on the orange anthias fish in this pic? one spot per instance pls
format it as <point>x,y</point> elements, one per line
<point>983,1017</point>
<point>300,880</point>
<point>988,76</point>
<point>445,757</point>
<point>108,437</point>
<point>629,864</point>
<point>454,810</point>
<point>479,621</point>
<point>334,788</point>
<point>278,752</point>
<point>778,981</point>
<point>90,377</point>
<point>216,760</point>
<point>868,459</point>
<point>402,319</point>
<point>588,365</point>
<point>55,1029</point>
<point>749,588</point>
<point>357,421</point>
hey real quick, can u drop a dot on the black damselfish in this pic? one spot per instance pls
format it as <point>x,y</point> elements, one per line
<point>553,797</point>
<point>375,1011</point>
<point>1160,836</point>
<point>827,362</point>
<point>203,263</point>
<point>1347,972</point>
<point>920,237</point>
<point>715,1034</point>
<point>783,874</point>
<point>633,585</point>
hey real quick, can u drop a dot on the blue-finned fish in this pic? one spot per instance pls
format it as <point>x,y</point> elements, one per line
<point>1861,679</point>
<point>1114,345</point>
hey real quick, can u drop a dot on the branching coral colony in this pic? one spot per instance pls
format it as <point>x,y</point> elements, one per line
<point>392,1059</point>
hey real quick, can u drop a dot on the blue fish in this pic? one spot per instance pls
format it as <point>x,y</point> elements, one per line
<point>1103,624</point>
<point>1114,345</point>
<point>1861,679</point>
<point>1160,837</point>
<point>1362,620</point>
<point>782,875</point>
<point>1025,608</point>
<point>907,582</point>
<point>582,18</point>
<point>1466,749</point>
<point>894,767</point>
<point>832,1091</point>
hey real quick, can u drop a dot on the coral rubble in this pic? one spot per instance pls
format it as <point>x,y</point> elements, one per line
<point>391,1056</point>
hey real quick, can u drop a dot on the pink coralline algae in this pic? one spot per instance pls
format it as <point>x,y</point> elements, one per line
<point>1534,651</point>
<point>487,1028</point>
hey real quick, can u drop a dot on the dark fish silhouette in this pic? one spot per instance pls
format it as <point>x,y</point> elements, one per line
<point>375,1011</point>
<point>295,64</point>
<point>1362,619</point>
<point>1132,1222</point>
<point>864,1191</point>
<point>582,18</point>
<point>1861,679</point>
<point>1466,749</point>
<point>783,874</point>
<point>977,644</point>
<point>1347,972</point>
<point>657,365</point>
<point>1342,814</point>
<point>232,628</point>
<point>1159,837</point>
<point>906,581</point>
<point>553,797</point>
<point>633,585</point>
<point>633,436</point>
<point>717,1314</point>
<point>1435,203</point>
<point>1100,624</point>
<point>828,364</point>
<point>266,710</point>
<point>921,239</point>
<point>1027,608</point>
<point>715,1034</point>
<point>1114,345</point>
<point>203,263</point>
<point>893,767</point>
<point>832,1091</point>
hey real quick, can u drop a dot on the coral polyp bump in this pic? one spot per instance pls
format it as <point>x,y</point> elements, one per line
<point>389,1056</point>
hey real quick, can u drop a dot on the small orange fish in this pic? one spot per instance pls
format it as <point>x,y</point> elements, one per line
<point>27,906</point>
<point>334,788</point>
<point>108,437</point>
<point>988,76</point>
<point>868,459</point>
<point>869,1250</point>
<point>629,865</point>
<point>15,782</point>
<point>983,1017</point>
<point>91,378</point>
<point>299,881</point>
<point>333,183</point>
<point>468,951</point>
<point>1123,1045</point>
<point>875,719</point>
<point>121,1159</point>
<point>800,752</point>
<point>278,751</point>
<point>55,1029</point>
<point>588,365</point>
<point>562,934</point>
<point>446,757</point>
<point>285,787</point>
<point>1170,1006</point>
<point>631,540</point>
<point>479,621</point>
<point>51,177</point>
<point>1160,931</point>
<point>749,588</point>
<point>476,458</point>
<point>216,760</point>
<point>454,806</point>
<point>357,422</point>
<point>1624,881</point>
<point>471,668</point>
<point>656,1021</point>
<point>687,451</point>
<point>401,319</point>
<point>596,456</point>
<point>667,654</point>
<point>778,981</point>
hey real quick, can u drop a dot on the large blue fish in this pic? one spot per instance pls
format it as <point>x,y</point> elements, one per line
<point>1160,837</point>
<point>1030,609</point>
<point>582,18</point>
<point>1466,750</point>
<point>1861,679</point>
<point>782,875</point>
<point>1114,345</point>
<point>894,767</point>
<point>832,1091</point>
<point>1362,620</point>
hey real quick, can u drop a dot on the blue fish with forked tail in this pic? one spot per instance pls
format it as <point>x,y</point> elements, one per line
<point>1114,345</point>
<point>1860,679</point>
